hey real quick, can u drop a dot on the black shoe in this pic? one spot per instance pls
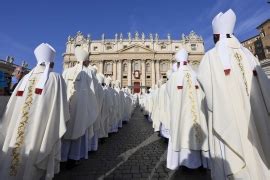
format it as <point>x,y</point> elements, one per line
<point>72,164</point>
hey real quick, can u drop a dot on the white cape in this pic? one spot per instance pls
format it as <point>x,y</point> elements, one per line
<point>83,105</point>
<point>238,116</point>
<point>40,149</point>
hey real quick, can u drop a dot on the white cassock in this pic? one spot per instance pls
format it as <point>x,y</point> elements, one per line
<point>164,111</point>
<point>114,113</point>
<point>238,113</point>
<point>117,110</point>
<point>107,111</point>
<point>106,106</point>
<point>105,114</point>
<point>156,110</point>
<point>32,127</point>
<point>83,107</point>
<point>188,129</point>
<point>151,104</point>
<point>121,105</point>
<point>128,107</point>
<point>96,128</point>
<point>102,115</point>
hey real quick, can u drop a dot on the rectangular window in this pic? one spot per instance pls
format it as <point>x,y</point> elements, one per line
<point>193,47</point>
<point>125,46</point>
<point>95,48</point>
<point>147,46</point>
<point>148,77</point>
<point>163,47</point>
<point>109,47</point>
<point>176,48</point>
<point>124,77</point>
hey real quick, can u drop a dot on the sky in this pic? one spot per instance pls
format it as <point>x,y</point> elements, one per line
<point>24,24</point>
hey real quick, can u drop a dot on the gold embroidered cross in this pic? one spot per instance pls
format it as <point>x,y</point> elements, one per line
<point>193,109</point>
<point>238,57</point>
<point>15,155</point>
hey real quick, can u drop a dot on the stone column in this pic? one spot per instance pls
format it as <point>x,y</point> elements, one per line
<point>143,74</point>
<point>153,76</point>
<point>157,70</point>
<point>119,71</point>
<point>101,66</point>
<point>129,73</point>
<point>114,70</point>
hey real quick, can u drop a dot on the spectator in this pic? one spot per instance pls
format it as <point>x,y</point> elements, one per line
<point>17,75</point>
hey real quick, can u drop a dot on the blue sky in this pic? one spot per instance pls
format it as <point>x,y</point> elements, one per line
<point>26,23</point>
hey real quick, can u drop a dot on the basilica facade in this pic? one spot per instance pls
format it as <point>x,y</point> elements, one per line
<point>137,61</point>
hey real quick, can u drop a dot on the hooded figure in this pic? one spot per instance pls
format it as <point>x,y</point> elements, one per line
<point>188,141</point>
<point>34,122</point>
<point>238,104</point>
<point>83,108</point>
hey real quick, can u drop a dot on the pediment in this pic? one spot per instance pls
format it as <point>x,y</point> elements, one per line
<point>135,48</point>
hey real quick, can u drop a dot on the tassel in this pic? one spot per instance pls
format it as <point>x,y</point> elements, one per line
<point>227,72</point>
<point>179,87</point>
<point>38,91</point>
<point>19,93</point>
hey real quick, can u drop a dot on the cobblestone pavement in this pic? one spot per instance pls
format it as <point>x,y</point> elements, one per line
<point>135,152</point>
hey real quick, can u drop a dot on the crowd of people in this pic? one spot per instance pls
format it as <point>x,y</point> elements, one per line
<point>217,118</point>
<point>52,118</point>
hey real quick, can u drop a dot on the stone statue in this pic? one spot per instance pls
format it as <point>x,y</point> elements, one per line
<point>121,36</point>
<point>136,35</point>
<point>151,37</point>
<point>10,59</point>
<point>24,64</point>
<point>201,38</point>
<point>115,37</point>
<point>183,36</point>
<point>88,37</point>
<point>79,33</point>
<point>169,37</point>
<point>129,36</point>
<point>143,36</point>
<point>69,38</point>
<point>156,37</point>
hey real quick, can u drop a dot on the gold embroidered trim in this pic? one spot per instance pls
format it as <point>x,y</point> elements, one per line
<point>238,57</point>
<point>196,125</point>
<point>21,130</point>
